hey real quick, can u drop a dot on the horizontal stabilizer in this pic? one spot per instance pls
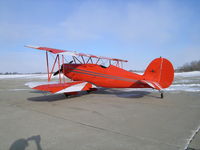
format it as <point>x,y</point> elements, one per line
<point>154,85</point>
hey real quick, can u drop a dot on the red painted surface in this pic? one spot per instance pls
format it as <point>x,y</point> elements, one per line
<point>57,51</point>
<point>53,88</point>
<point>158,75</point>
<point>52,50</point>
<point>160,70</point>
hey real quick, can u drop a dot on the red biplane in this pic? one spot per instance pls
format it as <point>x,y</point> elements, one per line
<point>87,73</point>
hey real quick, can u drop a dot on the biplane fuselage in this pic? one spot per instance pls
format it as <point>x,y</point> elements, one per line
<point>109,77</point>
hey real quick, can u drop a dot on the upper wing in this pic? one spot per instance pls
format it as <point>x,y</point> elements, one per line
<point>55,87</point>
<point>73,53</point>
<point>52,50</point>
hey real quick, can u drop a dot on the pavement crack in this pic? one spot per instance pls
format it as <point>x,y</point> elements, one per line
<point>88,110</point>
<point>192,137</point>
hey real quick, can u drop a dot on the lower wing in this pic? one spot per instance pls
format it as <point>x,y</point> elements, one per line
<point>55,87</point>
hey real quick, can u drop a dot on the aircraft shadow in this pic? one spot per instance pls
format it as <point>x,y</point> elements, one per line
<point>103,91</point>
<point>37,91</point>
<point>126,94</point>
<point>53,97</point>
<point>48,98</point>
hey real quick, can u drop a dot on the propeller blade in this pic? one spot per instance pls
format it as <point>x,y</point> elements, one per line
<point>71,62</point>
<point>57,72</point>
<point>61,69</point>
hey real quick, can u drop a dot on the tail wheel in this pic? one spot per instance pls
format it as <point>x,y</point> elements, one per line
<point>161,95</point>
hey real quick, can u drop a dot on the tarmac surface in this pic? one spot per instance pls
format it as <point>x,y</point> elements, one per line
<point>108,119</point>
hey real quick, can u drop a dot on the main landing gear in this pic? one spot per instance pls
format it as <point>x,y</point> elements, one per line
<point>91,90</point>
<point>70,94</point>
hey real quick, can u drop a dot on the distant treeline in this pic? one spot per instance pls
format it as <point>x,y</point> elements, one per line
<point>192,66</point>
<point>8,73</point>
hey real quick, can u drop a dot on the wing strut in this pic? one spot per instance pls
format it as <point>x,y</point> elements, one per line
<point>59,68</point>
<point>47,61</point>
<point>57,60</point>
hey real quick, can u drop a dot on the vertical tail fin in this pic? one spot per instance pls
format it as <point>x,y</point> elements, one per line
<point>160,71</point>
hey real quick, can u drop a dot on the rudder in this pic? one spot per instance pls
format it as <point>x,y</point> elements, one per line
<point>161,71</point>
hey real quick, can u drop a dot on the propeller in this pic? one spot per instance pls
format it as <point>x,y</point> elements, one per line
<point>57,72</point>
<point>61,69</point>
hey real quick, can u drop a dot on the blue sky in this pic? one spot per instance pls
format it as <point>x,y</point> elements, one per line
<point>136,30</point>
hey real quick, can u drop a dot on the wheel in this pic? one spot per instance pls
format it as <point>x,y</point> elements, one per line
<point>88,91</point>
<point>161,95</point>
<point>66,95</point>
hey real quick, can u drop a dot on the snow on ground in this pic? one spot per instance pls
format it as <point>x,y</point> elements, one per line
<point>188,74</point>
<point>25,76</point>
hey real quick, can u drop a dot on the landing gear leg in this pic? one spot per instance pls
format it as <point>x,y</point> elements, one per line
<point>66,95</point>
<point>91,90</point>
<point>88,91</point>
<point>161,94</point>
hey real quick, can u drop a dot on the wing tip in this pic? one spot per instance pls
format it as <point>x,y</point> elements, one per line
<point>30,46</point>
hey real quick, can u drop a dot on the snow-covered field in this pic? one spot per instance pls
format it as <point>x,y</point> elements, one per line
<point>188,74</point>
<point>24,76</point>
<point>185,81</point>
